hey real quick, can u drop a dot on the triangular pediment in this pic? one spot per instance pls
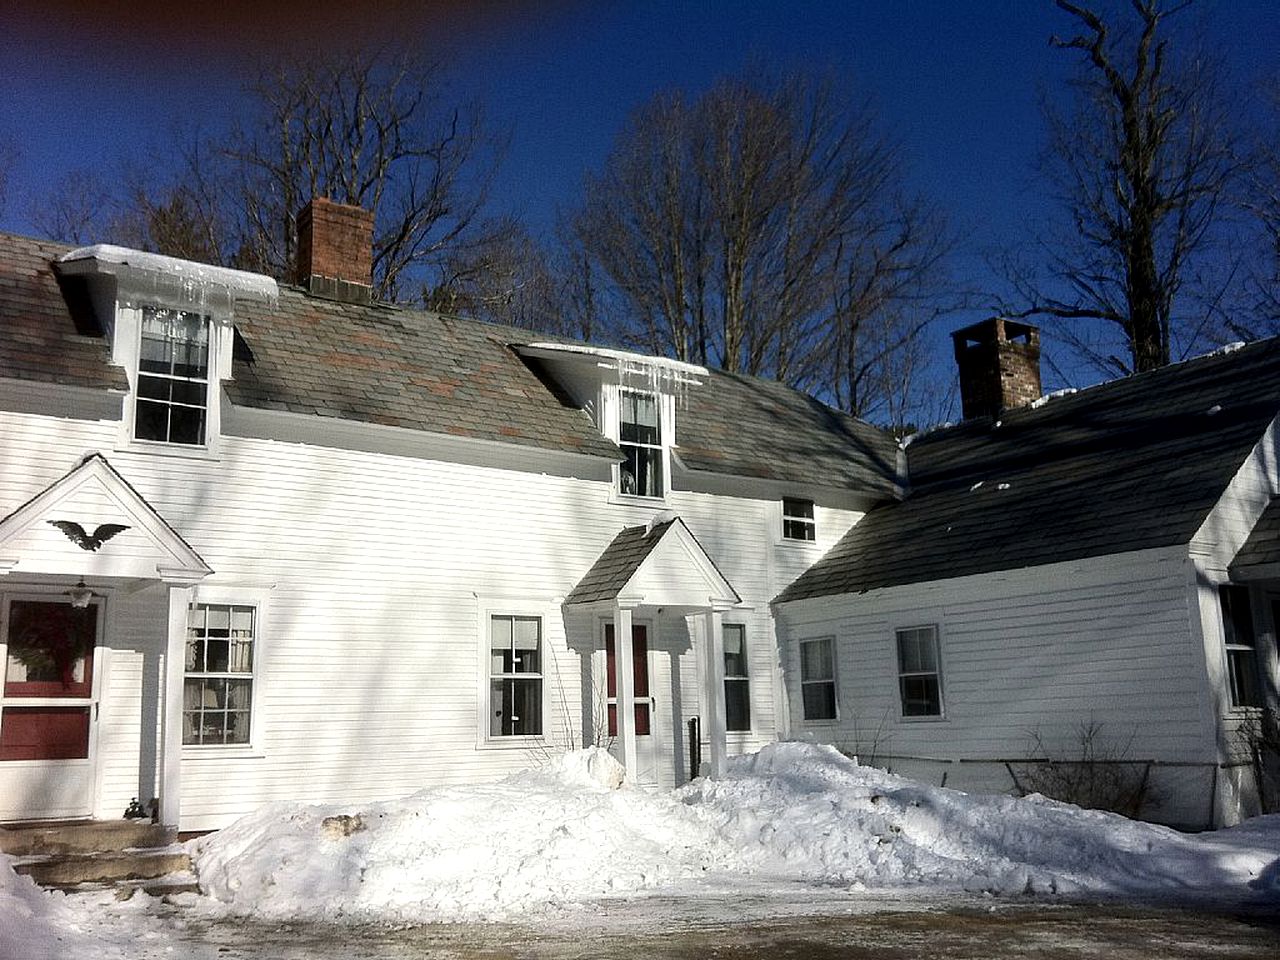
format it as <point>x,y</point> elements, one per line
<point>659,565</point>
<point>92,522</point>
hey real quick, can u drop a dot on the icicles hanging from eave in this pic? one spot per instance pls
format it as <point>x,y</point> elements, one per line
<point>636,371</point>
<point>154,279</point>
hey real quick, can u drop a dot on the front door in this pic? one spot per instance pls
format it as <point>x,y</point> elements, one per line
<point>646,738</point>
<point>47,708</point>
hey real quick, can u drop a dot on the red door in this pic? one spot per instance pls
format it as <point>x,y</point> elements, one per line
<point>639,674</point>
<point>48,681</point>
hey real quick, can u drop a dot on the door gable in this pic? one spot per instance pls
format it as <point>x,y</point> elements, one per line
<point>92,522</point>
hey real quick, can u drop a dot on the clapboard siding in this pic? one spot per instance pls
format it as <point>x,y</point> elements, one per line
<point>1024,653</point>
<point>375,569</point>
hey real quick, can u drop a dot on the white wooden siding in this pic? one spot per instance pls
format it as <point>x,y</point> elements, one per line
<point>1024,652</point>
<point>372,566</point>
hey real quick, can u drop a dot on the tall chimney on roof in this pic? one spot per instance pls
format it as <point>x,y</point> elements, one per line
<point>335,250</point>
<point>999,364</point>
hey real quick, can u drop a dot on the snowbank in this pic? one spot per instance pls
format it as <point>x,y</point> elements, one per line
<point>565,834</point>
<point>38,924</point>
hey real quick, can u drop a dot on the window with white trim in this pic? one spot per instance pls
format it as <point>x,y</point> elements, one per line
<point>797,520</point>
<point>171,399</point>
<point>217,691</point>
<point>640,437</point>
<point>1243,681</point>
<point>919,672</point>
<point>818,678</point>
<point>737,686</point>
<point>515,676</point>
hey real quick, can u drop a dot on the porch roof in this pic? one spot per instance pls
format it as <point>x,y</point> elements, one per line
<point>641,560</point>
<point>1260,555</point>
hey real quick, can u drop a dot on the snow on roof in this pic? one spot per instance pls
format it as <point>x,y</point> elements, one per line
<point>622,357</point>
<point>194,278</point>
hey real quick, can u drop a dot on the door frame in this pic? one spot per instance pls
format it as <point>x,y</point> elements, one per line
<point>654,737</point>
<point>56,593</point>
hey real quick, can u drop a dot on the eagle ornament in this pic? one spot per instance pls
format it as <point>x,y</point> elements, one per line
<point>88,541</point>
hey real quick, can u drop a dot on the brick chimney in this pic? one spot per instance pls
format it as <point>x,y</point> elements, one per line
<point>999,364</point>
<point>335,250</point>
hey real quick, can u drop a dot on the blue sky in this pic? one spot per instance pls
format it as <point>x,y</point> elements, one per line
<point>956,83</point>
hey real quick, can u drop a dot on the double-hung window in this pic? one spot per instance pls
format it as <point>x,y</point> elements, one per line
<point>172,395</point>
<point>1242,646</point>
<point>640,437</point>
<point>797,520</point>
<point>818,678</point>
<point>515,676</point>
<point>737,689</point>
<point>919,672</point>
<point>217,693</point>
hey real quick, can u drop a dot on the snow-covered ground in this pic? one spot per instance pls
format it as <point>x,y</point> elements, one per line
<point>546,842</point>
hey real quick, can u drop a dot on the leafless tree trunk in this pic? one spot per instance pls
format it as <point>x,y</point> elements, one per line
<point>1142,165</point>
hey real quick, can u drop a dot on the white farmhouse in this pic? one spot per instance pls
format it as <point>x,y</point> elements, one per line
<point>263,543</point>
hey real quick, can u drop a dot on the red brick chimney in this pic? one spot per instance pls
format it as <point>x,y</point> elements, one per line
<point>335,250</point>
<point>999,364</point>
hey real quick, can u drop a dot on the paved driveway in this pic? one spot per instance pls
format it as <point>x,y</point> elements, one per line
<point>972,930</point>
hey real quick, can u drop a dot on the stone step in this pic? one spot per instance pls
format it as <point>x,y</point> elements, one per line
<point>82,836</point>
<point>67,870</point>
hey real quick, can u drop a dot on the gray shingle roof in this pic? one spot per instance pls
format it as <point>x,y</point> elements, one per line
<point>748,427</point>
<point>402,368</point>
<point>1262,549</point>
<point>387,365</point>
<point>38,340</point>
<point>619,562</point>
<point>1127,465</point>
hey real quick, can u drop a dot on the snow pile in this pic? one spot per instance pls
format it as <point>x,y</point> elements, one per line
<point>810,812</point>
<point>38,924</point>
<point>791,814</point>
<point>554,835</point>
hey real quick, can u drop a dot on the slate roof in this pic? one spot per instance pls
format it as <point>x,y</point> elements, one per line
<point>38,340</point>
<point>388,365</point>
<point>403,368</point>
<point>749,427</point>
<point>1126,465</point>
<point>1262,549</point>
<point>618,564</point>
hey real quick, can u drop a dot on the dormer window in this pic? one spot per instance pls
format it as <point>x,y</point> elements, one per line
<point>172,399</point>
<point>640,437</point>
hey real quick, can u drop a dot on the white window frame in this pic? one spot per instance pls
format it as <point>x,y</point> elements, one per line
<point>834,680</point>
<point>126,353</point>
<point>938,672</point>
<point>744,679</point>
<point>515,607</point>
<point>811,521</point>
<point>611,427</point>
<point>1249,650</point>
<point>255,597</point>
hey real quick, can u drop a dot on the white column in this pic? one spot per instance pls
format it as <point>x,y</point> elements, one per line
<point>714,721</point>
<point>625,686</point>
<point>171,716</point>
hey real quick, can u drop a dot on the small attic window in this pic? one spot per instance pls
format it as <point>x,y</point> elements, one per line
<point>797,520</point>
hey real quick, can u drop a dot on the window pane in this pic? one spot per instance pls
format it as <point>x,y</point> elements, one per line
<point>639,422</point>
<point>151,421</point>
<point>816,662</point>
<point>735,650</point>
<point>819,701</point>
<point>641,473</point>
<point>737,705</point>
<point>186,425</point>
<point>1237,617</point>
<point>921,696</point>
<point>526,706</point>
<point>1246,686</point>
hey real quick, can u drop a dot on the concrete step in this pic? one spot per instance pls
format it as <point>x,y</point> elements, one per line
<point>82,836</point>
<point>71,869</point>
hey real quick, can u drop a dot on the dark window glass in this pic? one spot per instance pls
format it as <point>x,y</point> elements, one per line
<point>173,377</point>
<point>919,675</point>
<point>737,690</point>
<point>797,519</point>
<point>1241,646</point>
<point>818,679</point>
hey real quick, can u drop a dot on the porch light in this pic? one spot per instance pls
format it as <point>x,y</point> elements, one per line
<point>80,595</point>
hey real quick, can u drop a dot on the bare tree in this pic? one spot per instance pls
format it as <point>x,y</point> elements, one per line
<point>78,210</point>
<point>365,129</point>
<point>758,228</point>
<point>1262,202</point>
<point>1142,163</point>
<point>8,162</point>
